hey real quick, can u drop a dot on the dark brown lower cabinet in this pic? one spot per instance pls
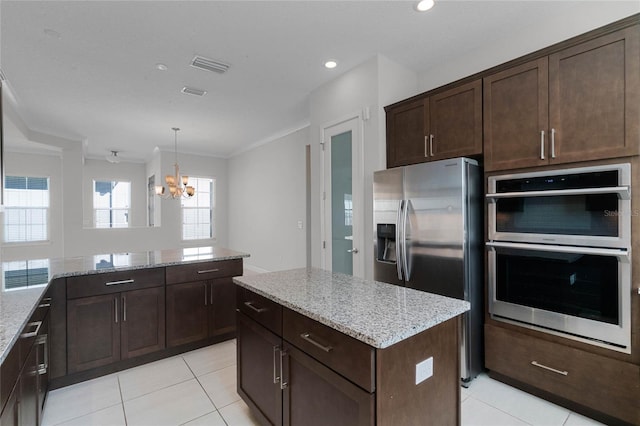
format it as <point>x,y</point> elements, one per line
<point>317,396</point>
<point>25,373</point>
<point>143,322</point>
<point>222,311</point>
<point>581,380</point>
<point>10,415</point>
<point>315,375</point>
<point>28,402</point>
<point>93,332</point>
<point>104,329</point>
<point>199,310</point>
<point>186,313</point>
<point>258,369</point>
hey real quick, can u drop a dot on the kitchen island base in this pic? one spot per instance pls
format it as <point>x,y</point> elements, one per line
<point>293,370</point>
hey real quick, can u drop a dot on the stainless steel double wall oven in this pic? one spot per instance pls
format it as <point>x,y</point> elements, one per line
<point>559,252</point>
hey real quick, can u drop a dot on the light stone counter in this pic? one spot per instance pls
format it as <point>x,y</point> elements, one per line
<point>373,312</point>
<point>24,282</point>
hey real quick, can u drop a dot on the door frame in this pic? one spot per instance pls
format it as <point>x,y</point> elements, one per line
<point>355,124</point>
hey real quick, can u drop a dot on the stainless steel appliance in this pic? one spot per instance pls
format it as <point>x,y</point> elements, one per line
<point>428,226</point>
<point>559,255</point>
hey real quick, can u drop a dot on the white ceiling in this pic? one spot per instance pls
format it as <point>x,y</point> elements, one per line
<point>93,77</point>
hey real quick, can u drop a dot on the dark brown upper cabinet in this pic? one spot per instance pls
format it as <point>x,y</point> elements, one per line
<point>578,104</point>
<point>443,125</point>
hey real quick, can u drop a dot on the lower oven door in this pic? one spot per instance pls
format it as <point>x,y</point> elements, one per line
<point>580,292</point>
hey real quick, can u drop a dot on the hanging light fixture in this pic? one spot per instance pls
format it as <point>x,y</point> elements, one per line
<point>178,185</point>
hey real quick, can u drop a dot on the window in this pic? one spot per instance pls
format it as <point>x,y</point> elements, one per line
<point>197,211</point>
<point>26,209</point>
<point>111,201</point>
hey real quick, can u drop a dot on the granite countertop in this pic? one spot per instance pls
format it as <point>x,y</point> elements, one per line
<point>373,312</point>
<point>24,282</point>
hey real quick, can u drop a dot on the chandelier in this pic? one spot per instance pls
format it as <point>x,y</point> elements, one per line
<point>178,186</point>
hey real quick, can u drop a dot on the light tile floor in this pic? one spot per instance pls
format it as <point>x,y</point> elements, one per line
<point>198,388</point>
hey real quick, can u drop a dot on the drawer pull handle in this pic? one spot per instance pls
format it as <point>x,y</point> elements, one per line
<point>33,333</point>
<point>537,364</point>
<point>45,302</point>
<point>250,305</point>
<point>307,337</point>
<point>119,282</point>
<point>208,271</point>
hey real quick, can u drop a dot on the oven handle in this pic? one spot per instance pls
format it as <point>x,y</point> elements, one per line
<point>623,254</point>
<point>624,192</point>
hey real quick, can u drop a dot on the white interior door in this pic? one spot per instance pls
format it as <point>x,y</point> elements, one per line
<point>342,197</point>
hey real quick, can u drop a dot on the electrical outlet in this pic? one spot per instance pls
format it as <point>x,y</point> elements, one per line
<point>424,370</point>
<point>300,226</point>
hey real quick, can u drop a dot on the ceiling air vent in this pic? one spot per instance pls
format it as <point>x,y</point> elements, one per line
<point>209,65</point>
<point>193,91</point>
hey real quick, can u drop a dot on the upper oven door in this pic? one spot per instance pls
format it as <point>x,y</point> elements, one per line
<point>588,206</point>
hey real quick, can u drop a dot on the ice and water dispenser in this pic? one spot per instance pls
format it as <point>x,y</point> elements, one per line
<point>386,242</point>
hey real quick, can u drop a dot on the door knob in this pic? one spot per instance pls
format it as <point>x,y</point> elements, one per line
<point>354,251</point>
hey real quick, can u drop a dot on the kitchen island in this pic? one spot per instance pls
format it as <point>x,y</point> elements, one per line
<point>316,347</point>
<point>67,320</point>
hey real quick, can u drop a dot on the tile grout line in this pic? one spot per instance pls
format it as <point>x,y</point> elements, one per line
<point>498,409</point>
<point>216,410</point>
<point>124,412</point>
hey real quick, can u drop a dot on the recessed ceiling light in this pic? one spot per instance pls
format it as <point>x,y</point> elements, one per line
<point>161,67</point>
<point>424,5</point>
<point>331,64</point>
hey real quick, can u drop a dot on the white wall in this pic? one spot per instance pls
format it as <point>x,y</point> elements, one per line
<point>555,28</point>
<point>267,198</point>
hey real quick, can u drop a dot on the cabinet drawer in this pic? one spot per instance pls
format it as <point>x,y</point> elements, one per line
<point>203,271</point>
<point>351,358</point>
<point>260,309</point>
<point>114,282</point>
<point>566,372</point>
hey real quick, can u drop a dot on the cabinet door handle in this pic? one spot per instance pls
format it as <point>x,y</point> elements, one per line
<point>431,145</point>
<point>307,337</point>
<point>115,308</point>
<point>124,308</point>
<point>250,305</point>
<point>426,153</point>
<point>42,368</point>
<point>208,271</point>
<point>276,376</point>
<point>204,286</point>
<point>120,282</point>
<point>33,333</point>
<point>542,144</point>
<point>283,382</point>
<point>537,364</point>
<point>553,143</point>
<point>45,302</point>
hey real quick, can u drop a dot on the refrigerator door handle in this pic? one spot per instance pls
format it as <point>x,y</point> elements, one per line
<point>398,242</point>
<point>405,265</point>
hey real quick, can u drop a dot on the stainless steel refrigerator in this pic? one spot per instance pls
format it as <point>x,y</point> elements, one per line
<point>428,221</point>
